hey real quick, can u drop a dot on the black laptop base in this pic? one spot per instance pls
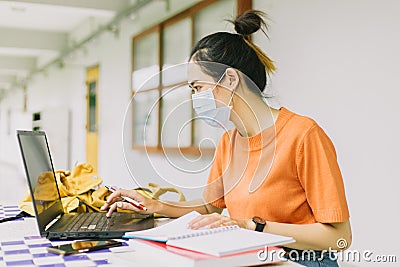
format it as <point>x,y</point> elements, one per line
<point>117,225</point>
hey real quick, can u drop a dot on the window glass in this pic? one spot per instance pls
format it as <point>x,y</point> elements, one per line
<point>145,118</point>
<point>176,116</point>
<point>92,106</point>
<point>166,115</point>
<point>212,19</point>
<point>145,62</point>
<point>177,42</point>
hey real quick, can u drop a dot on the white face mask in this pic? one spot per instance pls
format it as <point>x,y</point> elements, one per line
<point>205,108</point>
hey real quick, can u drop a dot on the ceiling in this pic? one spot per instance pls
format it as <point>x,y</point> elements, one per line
<point>34,33</point>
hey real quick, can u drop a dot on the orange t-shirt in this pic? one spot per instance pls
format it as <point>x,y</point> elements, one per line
<point>287,173</point>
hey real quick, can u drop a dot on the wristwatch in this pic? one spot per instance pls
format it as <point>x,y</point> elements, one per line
<point>260,223</point>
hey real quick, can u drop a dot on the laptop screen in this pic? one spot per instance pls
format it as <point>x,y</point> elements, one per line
<point>39,170</point>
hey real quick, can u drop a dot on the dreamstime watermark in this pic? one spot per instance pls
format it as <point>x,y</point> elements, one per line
<point>349,255</point>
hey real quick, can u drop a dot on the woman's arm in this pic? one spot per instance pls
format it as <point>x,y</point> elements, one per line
<point>167,208</point>
<point>177,209</point>
<point>315,236</point>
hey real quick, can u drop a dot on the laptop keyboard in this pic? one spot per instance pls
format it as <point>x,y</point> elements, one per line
<point>89,222</point>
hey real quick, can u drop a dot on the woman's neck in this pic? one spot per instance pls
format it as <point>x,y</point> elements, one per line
<point>251,115</point>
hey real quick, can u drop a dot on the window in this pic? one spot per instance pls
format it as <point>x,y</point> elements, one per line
<point>161,106</point>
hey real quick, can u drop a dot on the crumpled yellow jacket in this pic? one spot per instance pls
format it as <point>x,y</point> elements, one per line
<point>79,190</point>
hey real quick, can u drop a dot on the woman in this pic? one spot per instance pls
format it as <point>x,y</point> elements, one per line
<point>277,171</point>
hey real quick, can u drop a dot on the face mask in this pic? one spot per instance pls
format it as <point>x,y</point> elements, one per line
<point>205,108</point>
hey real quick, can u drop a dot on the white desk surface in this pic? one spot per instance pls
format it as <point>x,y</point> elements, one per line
<point>17,230</point>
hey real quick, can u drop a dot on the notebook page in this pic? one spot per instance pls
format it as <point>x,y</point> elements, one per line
<point>178,228</point>
<point>230,242</point>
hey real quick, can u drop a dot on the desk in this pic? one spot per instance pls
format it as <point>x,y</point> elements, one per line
<point>21,245</point>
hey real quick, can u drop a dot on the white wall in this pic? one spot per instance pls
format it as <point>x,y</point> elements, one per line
<point>12,117</point>
<point>338,62</point>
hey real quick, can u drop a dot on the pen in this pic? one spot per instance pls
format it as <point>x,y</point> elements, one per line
<point>127,199</point>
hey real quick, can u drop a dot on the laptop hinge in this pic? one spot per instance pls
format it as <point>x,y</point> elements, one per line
<point>44,234</point>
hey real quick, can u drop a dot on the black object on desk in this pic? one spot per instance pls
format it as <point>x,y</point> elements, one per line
<point>19,215</point>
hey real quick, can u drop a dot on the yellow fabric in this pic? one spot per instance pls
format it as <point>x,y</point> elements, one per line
<point>155,191</point>
<point>78,190</point>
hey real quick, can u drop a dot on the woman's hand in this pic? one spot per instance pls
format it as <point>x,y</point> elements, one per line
<point>115,200</point>
<point>214,220</point>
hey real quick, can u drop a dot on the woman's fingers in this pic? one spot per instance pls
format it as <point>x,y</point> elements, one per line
<point>130,193</point>
<point>116,200</point>
<point>111,209</point>
<point>196,221</point>
<point>211,221</point>
<point>117,196</point>
<point>110,200</point>
<point>120,205</point>
<point>203,221</point>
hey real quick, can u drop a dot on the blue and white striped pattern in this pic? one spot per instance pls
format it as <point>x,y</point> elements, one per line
<point>31,251</point>
<point>9,211</point>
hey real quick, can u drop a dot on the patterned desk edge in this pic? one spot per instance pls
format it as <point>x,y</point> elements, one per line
<point>31,251</point>
<point>9,211</point>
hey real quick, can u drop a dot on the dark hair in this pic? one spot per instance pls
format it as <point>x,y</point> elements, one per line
<point>236,51</point>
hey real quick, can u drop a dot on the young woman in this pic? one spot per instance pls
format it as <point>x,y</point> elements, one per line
<point>276,171</point>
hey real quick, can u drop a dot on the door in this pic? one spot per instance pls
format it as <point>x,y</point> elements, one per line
<point>92,84</point>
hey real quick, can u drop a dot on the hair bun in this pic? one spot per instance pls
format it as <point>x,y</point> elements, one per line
<point>249,22</point>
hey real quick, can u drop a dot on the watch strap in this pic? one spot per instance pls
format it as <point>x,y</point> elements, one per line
<point>260,223</point>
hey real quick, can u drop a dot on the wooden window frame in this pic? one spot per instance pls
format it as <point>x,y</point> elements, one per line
<point>191,12</point>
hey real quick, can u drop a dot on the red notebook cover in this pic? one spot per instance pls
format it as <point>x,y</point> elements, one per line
<point>197,256</point>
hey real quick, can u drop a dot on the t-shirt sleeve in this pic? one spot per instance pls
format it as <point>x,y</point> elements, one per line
<point>214,190</point>
<point>320,176</point>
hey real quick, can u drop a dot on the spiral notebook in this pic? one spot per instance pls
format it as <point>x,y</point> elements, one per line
<point>216,241</point>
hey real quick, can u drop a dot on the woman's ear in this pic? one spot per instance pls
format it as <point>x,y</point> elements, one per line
<point>231,78</point>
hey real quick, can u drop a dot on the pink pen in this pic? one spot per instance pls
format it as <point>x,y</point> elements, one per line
<point>127,199</point>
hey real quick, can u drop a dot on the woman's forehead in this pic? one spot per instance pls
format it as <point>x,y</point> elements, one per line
<point>195,73</point>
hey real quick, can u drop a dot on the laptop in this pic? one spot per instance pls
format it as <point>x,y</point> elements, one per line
<point>52,222</point>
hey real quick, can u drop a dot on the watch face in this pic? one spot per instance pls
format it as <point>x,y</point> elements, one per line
<point>258,220</point>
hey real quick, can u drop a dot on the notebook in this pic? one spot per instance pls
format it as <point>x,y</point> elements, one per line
<point>52,222</point>
<point>179,257</point>
<point>219,241</point>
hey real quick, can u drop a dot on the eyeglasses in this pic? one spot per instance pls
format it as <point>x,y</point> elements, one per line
<point>197,86</point>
